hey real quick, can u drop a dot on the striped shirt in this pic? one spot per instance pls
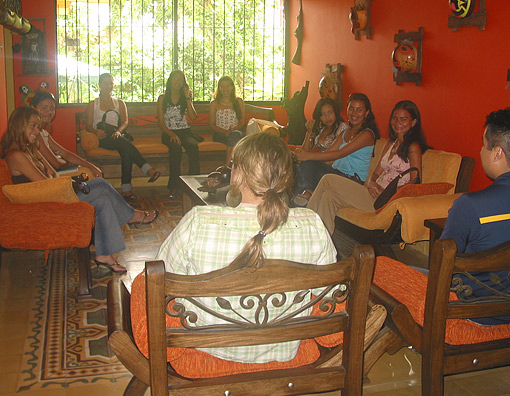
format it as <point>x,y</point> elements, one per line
<point>210,237</point>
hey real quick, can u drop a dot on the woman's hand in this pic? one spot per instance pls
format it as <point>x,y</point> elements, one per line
<point>301,155</point>
<point>174,138</point>
<point>374,189</point>
<point>100,133</point>
<point>187,93</point>
<point>116,135</point>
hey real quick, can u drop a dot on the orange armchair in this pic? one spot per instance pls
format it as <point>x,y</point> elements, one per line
<point>47,226</point>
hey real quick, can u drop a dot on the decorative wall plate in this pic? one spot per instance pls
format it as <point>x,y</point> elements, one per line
<point>405,57</point>
<point>462,8</point>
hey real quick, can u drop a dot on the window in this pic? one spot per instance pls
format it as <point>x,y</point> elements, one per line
<point>141,41</point>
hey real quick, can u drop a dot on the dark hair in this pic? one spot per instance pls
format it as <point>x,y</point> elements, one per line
<point>103,76</point>
<point>497,132</point>
<point>233,97</point>
<point>317,113</point>
<point>369,122</point>
<point>14,138</point>
<point>167,99</point>
<point>40,96</point>
<point>415,134</point>
<point>264,165</point>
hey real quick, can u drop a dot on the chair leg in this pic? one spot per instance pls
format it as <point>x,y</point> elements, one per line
<point>385,341</point>
<point>135,387</point>
<point>84,272</point>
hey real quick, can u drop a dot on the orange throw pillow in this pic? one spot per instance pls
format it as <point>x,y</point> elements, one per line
<point>417,190</point>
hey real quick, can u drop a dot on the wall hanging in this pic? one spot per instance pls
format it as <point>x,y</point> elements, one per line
<point>463,14</point>
<point>296,59</point>
<point>406,57</point>
<point>12,21</point>
<point>360,19</point>
<point>330,85</point>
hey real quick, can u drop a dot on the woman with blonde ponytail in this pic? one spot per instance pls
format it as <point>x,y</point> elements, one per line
<point>262,226</point>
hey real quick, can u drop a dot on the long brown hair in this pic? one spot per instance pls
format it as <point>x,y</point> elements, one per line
<point>15,138</point>
<point>233,97</point>
<point>264,165</point>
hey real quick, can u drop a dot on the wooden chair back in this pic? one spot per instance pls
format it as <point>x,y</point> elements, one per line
<point>276,281</point>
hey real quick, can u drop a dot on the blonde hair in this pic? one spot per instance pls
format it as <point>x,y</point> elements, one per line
<point>15,138</point>
<point>264,165</point>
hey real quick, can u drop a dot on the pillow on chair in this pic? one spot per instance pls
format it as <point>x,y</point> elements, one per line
<point>51,190</point>
<point>417,190</point>
<point>89,141</point>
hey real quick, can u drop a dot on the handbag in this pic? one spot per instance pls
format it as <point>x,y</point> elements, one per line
<point>391,188</point>
<point>110,129</point>
<point>79,183</point>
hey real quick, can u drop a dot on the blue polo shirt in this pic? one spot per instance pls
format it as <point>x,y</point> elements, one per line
<point>478,221</point>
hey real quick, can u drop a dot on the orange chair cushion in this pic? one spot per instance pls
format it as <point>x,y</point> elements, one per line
<point>191,363</point>
<point>417,190</point>
<point>409,286</point>
<point>50,190</point>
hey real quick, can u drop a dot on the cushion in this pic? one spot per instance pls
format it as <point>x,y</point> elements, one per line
<point>51,190</point>
<point>89,141</point>
<point>417,190</point>
<point>190,362</point>
<point>409,286</point>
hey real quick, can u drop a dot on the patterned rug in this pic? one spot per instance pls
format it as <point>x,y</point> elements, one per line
<point>67,338</point>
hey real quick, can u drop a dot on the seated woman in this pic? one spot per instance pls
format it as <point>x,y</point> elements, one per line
<point>262,226</point>
<point>173,108</point>
<point>404,150</point>
<point>54,153</point>
<point>129,154</point>
<point>19,147</point>
<point>324,129</point>
<point>226,115</point>
<point>351,152</point>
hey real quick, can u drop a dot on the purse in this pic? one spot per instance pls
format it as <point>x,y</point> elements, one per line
<point>79,183</point>
<point>391,188</point>
<point>110,129</point>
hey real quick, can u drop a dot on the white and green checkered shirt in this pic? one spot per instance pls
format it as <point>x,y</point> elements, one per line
<point>210,237</point>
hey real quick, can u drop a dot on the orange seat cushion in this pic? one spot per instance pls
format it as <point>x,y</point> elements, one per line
<point>192,363</point>
<point>409,286</point>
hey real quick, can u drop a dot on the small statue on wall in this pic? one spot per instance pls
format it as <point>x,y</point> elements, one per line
<point>295,108</point>
<point>296,59</point>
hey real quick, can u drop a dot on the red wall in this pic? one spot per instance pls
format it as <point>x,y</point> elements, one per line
<point>3,93</point>
<point>463,73</point>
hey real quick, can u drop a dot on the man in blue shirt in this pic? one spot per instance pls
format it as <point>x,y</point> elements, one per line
<point>481,220</point>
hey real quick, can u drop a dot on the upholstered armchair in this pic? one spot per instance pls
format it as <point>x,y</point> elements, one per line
<point>402,219</point>
<point>47,226</point>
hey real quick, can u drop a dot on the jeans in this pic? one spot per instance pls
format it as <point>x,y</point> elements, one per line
<point>230,140</point>
<point>175,156</point>
<point>129,154</point>
<point>112,211</point>
<point>309,173</point>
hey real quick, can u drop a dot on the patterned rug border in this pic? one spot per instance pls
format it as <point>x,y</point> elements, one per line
<point>44,360</point>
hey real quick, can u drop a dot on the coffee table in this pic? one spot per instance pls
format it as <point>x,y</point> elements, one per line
<point>191,196</point>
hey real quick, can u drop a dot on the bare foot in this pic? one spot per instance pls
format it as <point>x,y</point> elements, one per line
<point>143,217</point>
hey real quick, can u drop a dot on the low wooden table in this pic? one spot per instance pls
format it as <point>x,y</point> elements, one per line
<point>436,227</point>
<point>191,196</point>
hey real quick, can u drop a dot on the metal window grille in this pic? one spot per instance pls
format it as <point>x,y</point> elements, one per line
<point>141,41</point>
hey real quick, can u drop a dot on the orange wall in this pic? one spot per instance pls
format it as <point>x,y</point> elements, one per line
<point>3,93</point>
<point>464,72</point>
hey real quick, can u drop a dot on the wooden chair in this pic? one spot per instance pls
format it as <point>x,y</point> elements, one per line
<point>430,317</point>
<point>330,372</point>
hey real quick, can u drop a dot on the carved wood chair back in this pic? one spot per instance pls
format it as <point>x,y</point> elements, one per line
<point>277,283</point>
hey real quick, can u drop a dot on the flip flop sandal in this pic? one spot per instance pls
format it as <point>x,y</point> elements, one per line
<point>154,177</point>
<point>147,214</point>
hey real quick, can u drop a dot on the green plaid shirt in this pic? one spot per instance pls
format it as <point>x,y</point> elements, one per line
<point>210,237</point>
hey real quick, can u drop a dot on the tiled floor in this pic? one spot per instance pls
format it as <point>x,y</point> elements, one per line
<point>392,375</point>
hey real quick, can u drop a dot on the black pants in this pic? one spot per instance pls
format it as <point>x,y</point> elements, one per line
<point>175,156</point>
<point>129,154</point>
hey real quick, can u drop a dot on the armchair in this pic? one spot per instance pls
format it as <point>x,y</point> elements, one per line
<point>425,313</point>
<point>328,371</point>
<point>401,220</point>
<point>47,226</point>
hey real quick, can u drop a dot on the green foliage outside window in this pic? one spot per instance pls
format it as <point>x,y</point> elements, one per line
<point>140,42</point>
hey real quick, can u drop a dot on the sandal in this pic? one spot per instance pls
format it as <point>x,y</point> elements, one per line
<point>129,197</point>
<point>145,215</point>
<point>155,176</point>
<point>110,267</point>
<point>303,198</point>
